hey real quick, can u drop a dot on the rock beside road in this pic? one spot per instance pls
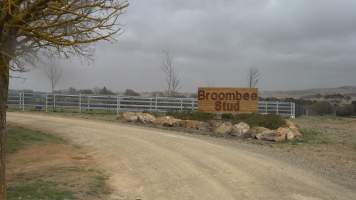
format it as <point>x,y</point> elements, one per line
<point>146,118</point>
<point>258,130</point>
<point>273,135</point>
<point>213,124</point>
<point>129,116</point>
<point>167,121</point>
<point>286,133</point>
<point>279,135</point>
<point>295,129</point>
<point>224,129</point>
<point>194,124</point>
<point>137,117</point>
<point>241,130</point>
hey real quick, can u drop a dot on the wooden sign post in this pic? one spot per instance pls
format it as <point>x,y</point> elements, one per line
<point>228,100</point>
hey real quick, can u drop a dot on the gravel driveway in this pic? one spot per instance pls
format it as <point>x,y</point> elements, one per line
<point>146,163</point>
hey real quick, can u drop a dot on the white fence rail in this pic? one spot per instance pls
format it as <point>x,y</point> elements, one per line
<point>112,103</point>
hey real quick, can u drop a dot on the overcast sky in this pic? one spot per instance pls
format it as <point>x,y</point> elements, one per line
<point>296,44</point>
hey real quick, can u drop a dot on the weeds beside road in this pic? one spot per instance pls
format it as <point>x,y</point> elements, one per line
<point>44,166</point>
<point>21,138</point>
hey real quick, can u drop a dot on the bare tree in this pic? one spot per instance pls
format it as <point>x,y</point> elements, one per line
<point>253,77</point>
<point>171,75</point>
<point>65,28</point>
<point>54,73</point>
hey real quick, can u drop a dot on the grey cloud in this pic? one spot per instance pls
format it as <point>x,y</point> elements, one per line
<point>215,42</point>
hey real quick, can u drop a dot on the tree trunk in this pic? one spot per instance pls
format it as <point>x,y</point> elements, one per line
<point>4,84</point>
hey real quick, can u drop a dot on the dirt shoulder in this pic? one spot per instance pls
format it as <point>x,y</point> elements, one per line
<point>147,163</point>
<point>44,166</point>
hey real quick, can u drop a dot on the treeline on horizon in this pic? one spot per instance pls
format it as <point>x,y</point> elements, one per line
<point>106,91</point>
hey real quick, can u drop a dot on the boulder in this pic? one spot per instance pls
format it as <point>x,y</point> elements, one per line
<point>283,134</point>
<point>266,135</point>
<point>224,129</point>
<point>194,124</point>
<point>145,118</point>
<point>167,121</point>
<point>290,133</point>
<point>130,116</point>
<point>241,130</point>
<point>295,129</point>
<point>214,124</point>
<point>279,135</point>
<point>258,130</point>
<point>269,136</point>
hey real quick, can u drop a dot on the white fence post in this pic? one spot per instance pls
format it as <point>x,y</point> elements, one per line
<point>20,100</point>
<point>80,103</point>
<point>88,103</point>
<point>151,104</point>
<point>181,104</point>
<point>192,104</point>
<point>54,102</point>
<point>277,109</point>
<point>117,104</point>
<point>266,107</point>
<point>156,104</point>
<point>23,101</point>
<point>292,110</point>
<point>46,105</point>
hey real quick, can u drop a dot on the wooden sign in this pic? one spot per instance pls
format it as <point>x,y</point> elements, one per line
<point>228,100</point>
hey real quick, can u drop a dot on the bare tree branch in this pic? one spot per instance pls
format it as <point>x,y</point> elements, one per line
<point>54,73</point>
<point>171,75</point>
<point>253,77</point>
<point>61,27</point>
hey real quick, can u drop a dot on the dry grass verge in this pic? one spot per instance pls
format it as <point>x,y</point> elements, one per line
<point>44,166</point>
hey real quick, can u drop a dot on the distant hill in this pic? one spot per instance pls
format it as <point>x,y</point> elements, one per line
<point>345,90</point>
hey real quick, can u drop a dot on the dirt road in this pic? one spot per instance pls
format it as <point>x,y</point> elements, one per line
<point>153,164</point>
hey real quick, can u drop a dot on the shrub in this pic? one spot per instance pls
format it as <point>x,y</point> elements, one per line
<point>345,110</point>
<point>354,105</point>
<point>269,121</point>
<point>322,108</point>
<point>200,116</point>
<point>227,116</point>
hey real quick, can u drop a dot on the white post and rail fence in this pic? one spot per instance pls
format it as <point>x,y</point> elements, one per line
<point>113,103</point>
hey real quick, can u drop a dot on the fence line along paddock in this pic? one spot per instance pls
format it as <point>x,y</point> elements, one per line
<point>112,103</point>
